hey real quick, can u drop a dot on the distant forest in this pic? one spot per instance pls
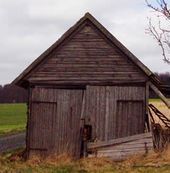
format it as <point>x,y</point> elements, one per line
<point>165,80</point>
<point>164,77</point>
<point>14,94</point>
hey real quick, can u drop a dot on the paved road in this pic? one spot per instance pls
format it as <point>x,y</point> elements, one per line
<point>11,142</point>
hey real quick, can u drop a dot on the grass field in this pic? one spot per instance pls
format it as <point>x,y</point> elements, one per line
<point>12,118</point>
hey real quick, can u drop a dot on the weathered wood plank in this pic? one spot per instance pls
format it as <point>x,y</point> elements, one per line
<point>107,115</point>
<point>129,145</point>
<point>122,148</point>
<point>100,144</point>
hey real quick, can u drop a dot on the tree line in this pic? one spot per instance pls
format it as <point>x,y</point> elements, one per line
<point>165,80</point>
<point>14,94</point>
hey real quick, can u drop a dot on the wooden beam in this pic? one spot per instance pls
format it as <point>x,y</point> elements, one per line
<point>107,114</point>
<point>147,119</point>
<point>118,141</point>
<point>158,92</point>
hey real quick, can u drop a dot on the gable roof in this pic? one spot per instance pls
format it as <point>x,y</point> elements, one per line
<point>20,79</point>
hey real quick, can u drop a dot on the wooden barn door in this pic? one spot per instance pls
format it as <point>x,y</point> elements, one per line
<point>66,131</point>
<point>55,121</point>
<point>126,111</point>
<point>41,125</point>
<point>42,109</point>
<point>115,111</point>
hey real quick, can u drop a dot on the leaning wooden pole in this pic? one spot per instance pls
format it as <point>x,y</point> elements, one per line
<point>158,92</point>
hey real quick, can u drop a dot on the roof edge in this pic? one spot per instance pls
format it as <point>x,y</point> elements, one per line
<point>109,36</point>
<point>17,81</point>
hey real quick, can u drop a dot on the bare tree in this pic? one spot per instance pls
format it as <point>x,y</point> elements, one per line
<point>159,26</point>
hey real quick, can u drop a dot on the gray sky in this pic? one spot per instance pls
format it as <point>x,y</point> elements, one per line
<point>28,28</point>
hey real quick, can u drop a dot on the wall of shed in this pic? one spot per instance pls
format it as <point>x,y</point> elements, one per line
<point>86,57</point>
<point>55,116</point>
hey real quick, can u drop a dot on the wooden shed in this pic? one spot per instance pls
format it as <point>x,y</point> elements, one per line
<point>85,79</point>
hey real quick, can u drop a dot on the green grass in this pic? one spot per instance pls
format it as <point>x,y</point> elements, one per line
<point>78,167</point>
<point>12,118</point>
<point>152,163</point>
<point>69,169</point>
<point>154,100</point>
<point>43,169</point>
<point>157,100</point>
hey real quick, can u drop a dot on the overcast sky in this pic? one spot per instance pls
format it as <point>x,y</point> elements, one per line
<point>28,28</point>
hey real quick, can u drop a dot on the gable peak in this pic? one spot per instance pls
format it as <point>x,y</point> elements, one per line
<point>87,15</point>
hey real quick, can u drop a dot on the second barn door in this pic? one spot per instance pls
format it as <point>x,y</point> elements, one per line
<point>55,121</point>
<point>115,111</point>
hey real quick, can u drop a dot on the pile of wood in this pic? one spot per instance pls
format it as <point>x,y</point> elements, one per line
<point>161,135</point>
<point>122,148</point>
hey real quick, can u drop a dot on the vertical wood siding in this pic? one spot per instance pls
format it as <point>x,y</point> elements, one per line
<point>87,57</point>
<point>95,110</point>
<point>41,125</point>
<point>55,121</point>
<point>115,112</point>
<point>129,121</point>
